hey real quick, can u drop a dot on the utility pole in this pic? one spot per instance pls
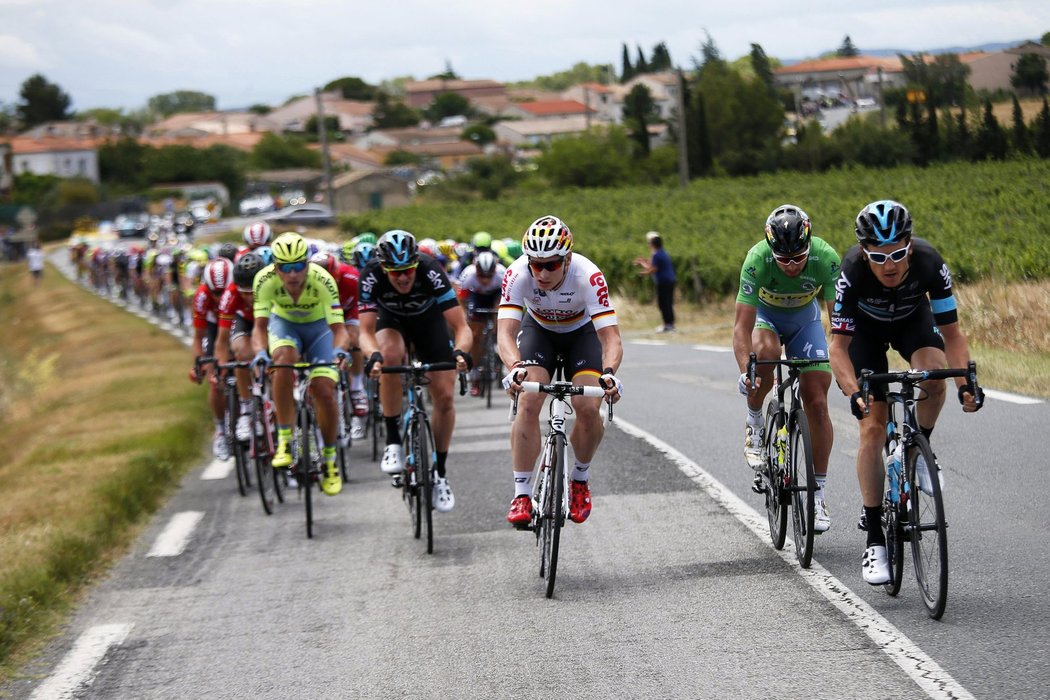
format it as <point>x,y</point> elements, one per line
<point>322,134</point>
<point>683,145</point>
<point>882,103</point>
<point>586,107</point>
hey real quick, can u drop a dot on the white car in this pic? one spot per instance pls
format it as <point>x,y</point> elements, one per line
<point>256,204</point>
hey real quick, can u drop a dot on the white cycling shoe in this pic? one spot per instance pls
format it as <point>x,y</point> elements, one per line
<point>444,499</point>
<point>753,437</point>
<point>243,431</point>
<point>821,516</point>
<point>219,447</point>
<point>357,428</point>
<point>875,567</point>
<point>393,459</point>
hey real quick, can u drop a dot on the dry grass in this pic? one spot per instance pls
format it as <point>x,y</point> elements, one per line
<point>1008,328</point>
<point>97,422</point>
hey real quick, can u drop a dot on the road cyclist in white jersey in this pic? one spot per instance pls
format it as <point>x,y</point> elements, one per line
<point>479,292</point>
<point>556,302</point>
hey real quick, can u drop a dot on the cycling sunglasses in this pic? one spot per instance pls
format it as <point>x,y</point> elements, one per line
<point>796,259</point>
<point>894,255</point>
<point>292,267</point>
<point>400,271</point>
<point>551,266</point>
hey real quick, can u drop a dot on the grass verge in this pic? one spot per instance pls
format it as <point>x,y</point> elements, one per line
<point>97,425</point>
<point>1007,326</point>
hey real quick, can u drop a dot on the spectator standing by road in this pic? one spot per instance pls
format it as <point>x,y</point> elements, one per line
<point>35,259</point>
<point>661,269</point>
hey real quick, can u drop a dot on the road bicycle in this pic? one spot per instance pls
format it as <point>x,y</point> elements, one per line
<point>417,477</point>
<point>271,482</point>
<point>913,508</point>
<point>346,417</point>
<point>307,464</point>
<point>787,479</point>
<point>240,449</point>
<point>489,364</point>
<point>550,496</point>
<point>374,423</point>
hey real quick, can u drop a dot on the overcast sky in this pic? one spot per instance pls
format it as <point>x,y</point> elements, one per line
<point>118,53</point>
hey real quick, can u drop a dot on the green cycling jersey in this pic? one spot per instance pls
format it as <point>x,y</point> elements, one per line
<point>318,300</point>
<point>763,283</point>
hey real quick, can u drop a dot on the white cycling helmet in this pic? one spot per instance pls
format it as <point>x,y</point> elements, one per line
<point>257,234</point>
<point>547,237</point>
<point>217,274</point>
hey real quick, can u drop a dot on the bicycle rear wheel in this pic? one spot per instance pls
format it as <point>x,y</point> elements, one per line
<point>265,474</point>
<point>776,499</point>
<point>894,519</point>
<point>240,462</point>
<point>410,480</point>
<point>375,420</point>
<point>425,476</point>
<point>347,417</point>
<point>803,487</point>
<point>554,513</point>
<point>928,530</point>
<point>303,468</point>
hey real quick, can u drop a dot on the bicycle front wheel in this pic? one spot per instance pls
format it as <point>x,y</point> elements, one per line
<point>803,487</point>
<point>236,448</point>
<point>776,499</point>
<point>425,476</point>
<point>554,513</point>
<point>928,530</point>
<point>264,473</point>
<point>303,468</point>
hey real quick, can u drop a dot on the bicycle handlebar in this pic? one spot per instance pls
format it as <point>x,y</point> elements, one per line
<point>560,390</point>
<point>910,377</point>
<point>423,367</point>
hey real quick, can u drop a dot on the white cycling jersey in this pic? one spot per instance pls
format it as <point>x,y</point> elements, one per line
<point>470,282</point>
<point>581,298</point>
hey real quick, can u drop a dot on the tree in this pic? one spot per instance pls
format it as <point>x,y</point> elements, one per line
<point>491,176</point>
<point>710,56</point>
<point>7,118</point>
<point>847,50</point>
<point>1045,41</point>
<point>641,66</point>
<point>990,142</point>
<point>627,71</point>
<point>391,114</point>
<point>42,101</point>
<point>447,104</point>
<point>942,79</point>
<point>661,59</point>
<point>1030,74</point>
<point>639,110</point>
<point>331,127</point>
<point>261,109</point>
<point>762,67</point>
<point>180,101</point>
<point>1041,131</point>
<point>352,88</point>
<point>580,73</point>
<point>447,74</point>
<point>1019,133</point>
<point>402,158</point>
<point>479,134</point>
<point>274,152</point>
<point>121,163</point>
<point>598,158</point>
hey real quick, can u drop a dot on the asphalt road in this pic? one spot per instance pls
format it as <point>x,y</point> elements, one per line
<point>667,591</point>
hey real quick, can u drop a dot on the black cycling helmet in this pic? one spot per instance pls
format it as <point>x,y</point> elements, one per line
<point>228,251</point>
<point>245,269</point>
<point>883,222</point>
<point>788,230</point>
<point>397,249</point>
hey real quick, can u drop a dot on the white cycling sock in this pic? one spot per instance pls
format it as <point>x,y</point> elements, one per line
<point>820,481</point>
<point>246,407</point>
<point>579,471</point>
<point>522,484</point>
<point>754,417</point>
<point>357,382</point>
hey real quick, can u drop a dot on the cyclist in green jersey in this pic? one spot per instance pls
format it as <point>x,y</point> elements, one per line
<point>782,281</point>
<point>298,315</point>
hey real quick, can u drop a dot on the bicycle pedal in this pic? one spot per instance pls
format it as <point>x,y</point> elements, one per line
<point>396,481</point>
<point>758,485</point>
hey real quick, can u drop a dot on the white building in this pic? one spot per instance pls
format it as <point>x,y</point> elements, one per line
<point>533,132</point>
<point>55,156</point>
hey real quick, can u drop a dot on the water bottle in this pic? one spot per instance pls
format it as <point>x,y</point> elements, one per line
<point>893,466</point>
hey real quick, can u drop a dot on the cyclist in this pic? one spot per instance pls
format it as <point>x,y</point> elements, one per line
<point>782,282</point>
<point>346,279</point>
<point>894,290</point>
<point>256,235</point>
<point>235,332</point>
<point>298,315</point>
<point>407,298</point>
<point>217,275</point>
<point>479,288</point>
<point>556,302</point>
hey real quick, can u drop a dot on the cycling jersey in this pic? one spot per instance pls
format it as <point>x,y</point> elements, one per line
<point>319,298</point>
<point>431,288</point>
<point>205,307</point>
<point>763,283</point>
<point>860,298</point>
<point>233,304</point>
<point>581,298</point>
<point>469,282</point>
<point>346,279</point>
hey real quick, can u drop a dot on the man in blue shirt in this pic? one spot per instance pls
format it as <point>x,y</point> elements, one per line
<point>662,271</point>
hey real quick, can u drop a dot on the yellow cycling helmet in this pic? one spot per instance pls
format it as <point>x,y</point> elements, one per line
<point>289,248</point>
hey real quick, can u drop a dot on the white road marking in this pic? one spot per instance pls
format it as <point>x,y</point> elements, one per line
<point>648,342</point>
<point>78,667</point>
<point>176,535</point>
<point>713,348</point>
<point>218,470</point>
<point>923,670</point>
<point>1012,398</point>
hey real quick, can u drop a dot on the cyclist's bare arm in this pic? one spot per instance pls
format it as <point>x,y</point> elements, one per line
<point>463,338</point>
<point>612,347</point>
<point>742,329</point>
<point>506,338</point>
<point>842,366</point>
<point>260,343</point>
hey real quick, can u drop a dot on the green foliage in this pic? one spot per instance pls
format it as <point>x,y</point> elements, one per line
<point>188,164</point>
<point>42,101</point>
<point>847,50</point>
<point>813,150</point>
<point>120,163</point>
<point>580,73</point>
<point>627,68</point>
<point>479,134</point>
<point>598,158</point>
<point>33,190</point>
<point>1030,74</point>
<point>862,142</point>
<point>744,119</point>
<point>447,74</point>
<point>353,88</point>
<point>661,59</point>
<point>76,190</point>
<point>390,113</point>
<point>447,104</point>
<point>710,225</point>
<point>274,152</point>
<point>762,67</point>
<point>1019,134</point>
<point>260,109</point>
<point>331,124</point>
<point>639,111</point>
<point>402,158</point>
<point>1041,130</point>
<point>942,79</point>
<point>170,103</point>
<point>490,177</point>
<point>991,141</point>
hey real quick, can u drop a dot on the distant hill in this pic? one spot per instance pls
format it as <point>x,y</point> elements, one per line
<point>990,47</point>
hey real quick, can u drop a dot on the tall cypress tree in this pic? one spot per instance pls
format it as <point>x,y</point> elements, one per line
<point>965,142</point>
<point>991,141</point>
<point>1042,131</point>
<point>628,70</point>
<point>1021,141</point>
<point>641,65</point>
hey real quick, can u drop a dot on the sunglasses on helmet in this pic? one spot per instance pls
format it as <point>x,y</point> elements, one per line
<point>894,255</point>
<point>292,267</point>
<point>550,265</point>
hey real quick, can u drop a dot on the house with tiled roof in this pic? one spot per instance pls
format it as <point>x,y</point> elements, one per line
<point>5,168</point>
<point>852,76</point>
<point>447,156</point>
<point>420,93</point>
<point>533,132</point>
<point>412,135</point>
<point>367,190</point>
<point>345,155</point>
<point>355,116</point>
<point>240,141</point>
<point>189,124</point>
<point>551,109</point>
<point>51,155</point>
<point>605,101</point>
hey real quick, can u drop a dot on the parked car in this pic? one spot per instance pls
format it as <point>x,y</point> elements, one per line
<point>291,198</point>
<point>258,203</point>
<point>132,225</point>
<point>303,215</point>
<point>205,210</point>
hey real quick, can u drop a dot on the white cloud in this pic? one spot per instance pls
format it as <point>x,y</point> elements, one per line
<point>15,51</point>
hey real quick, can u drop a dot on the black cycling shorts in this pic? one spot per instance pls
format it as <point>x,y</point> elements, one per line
<point>581,348</point>
<point>873,339</point>
<point>208,341</point>
<point>427,334</point>
<point>241,327</point>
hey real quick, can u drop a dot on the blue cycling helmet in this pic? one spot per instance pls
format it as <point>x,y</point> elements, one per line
<point>883,222</point>
<point>362,253</point>
<point>397,248</point>
<point>266,253</point>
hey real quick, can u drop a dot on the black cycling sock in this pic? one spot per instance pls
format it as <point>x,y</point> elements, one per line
<point>875,534</point>
<point>439,463</point>
<point>393,430</point>
<point>926,431</point>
